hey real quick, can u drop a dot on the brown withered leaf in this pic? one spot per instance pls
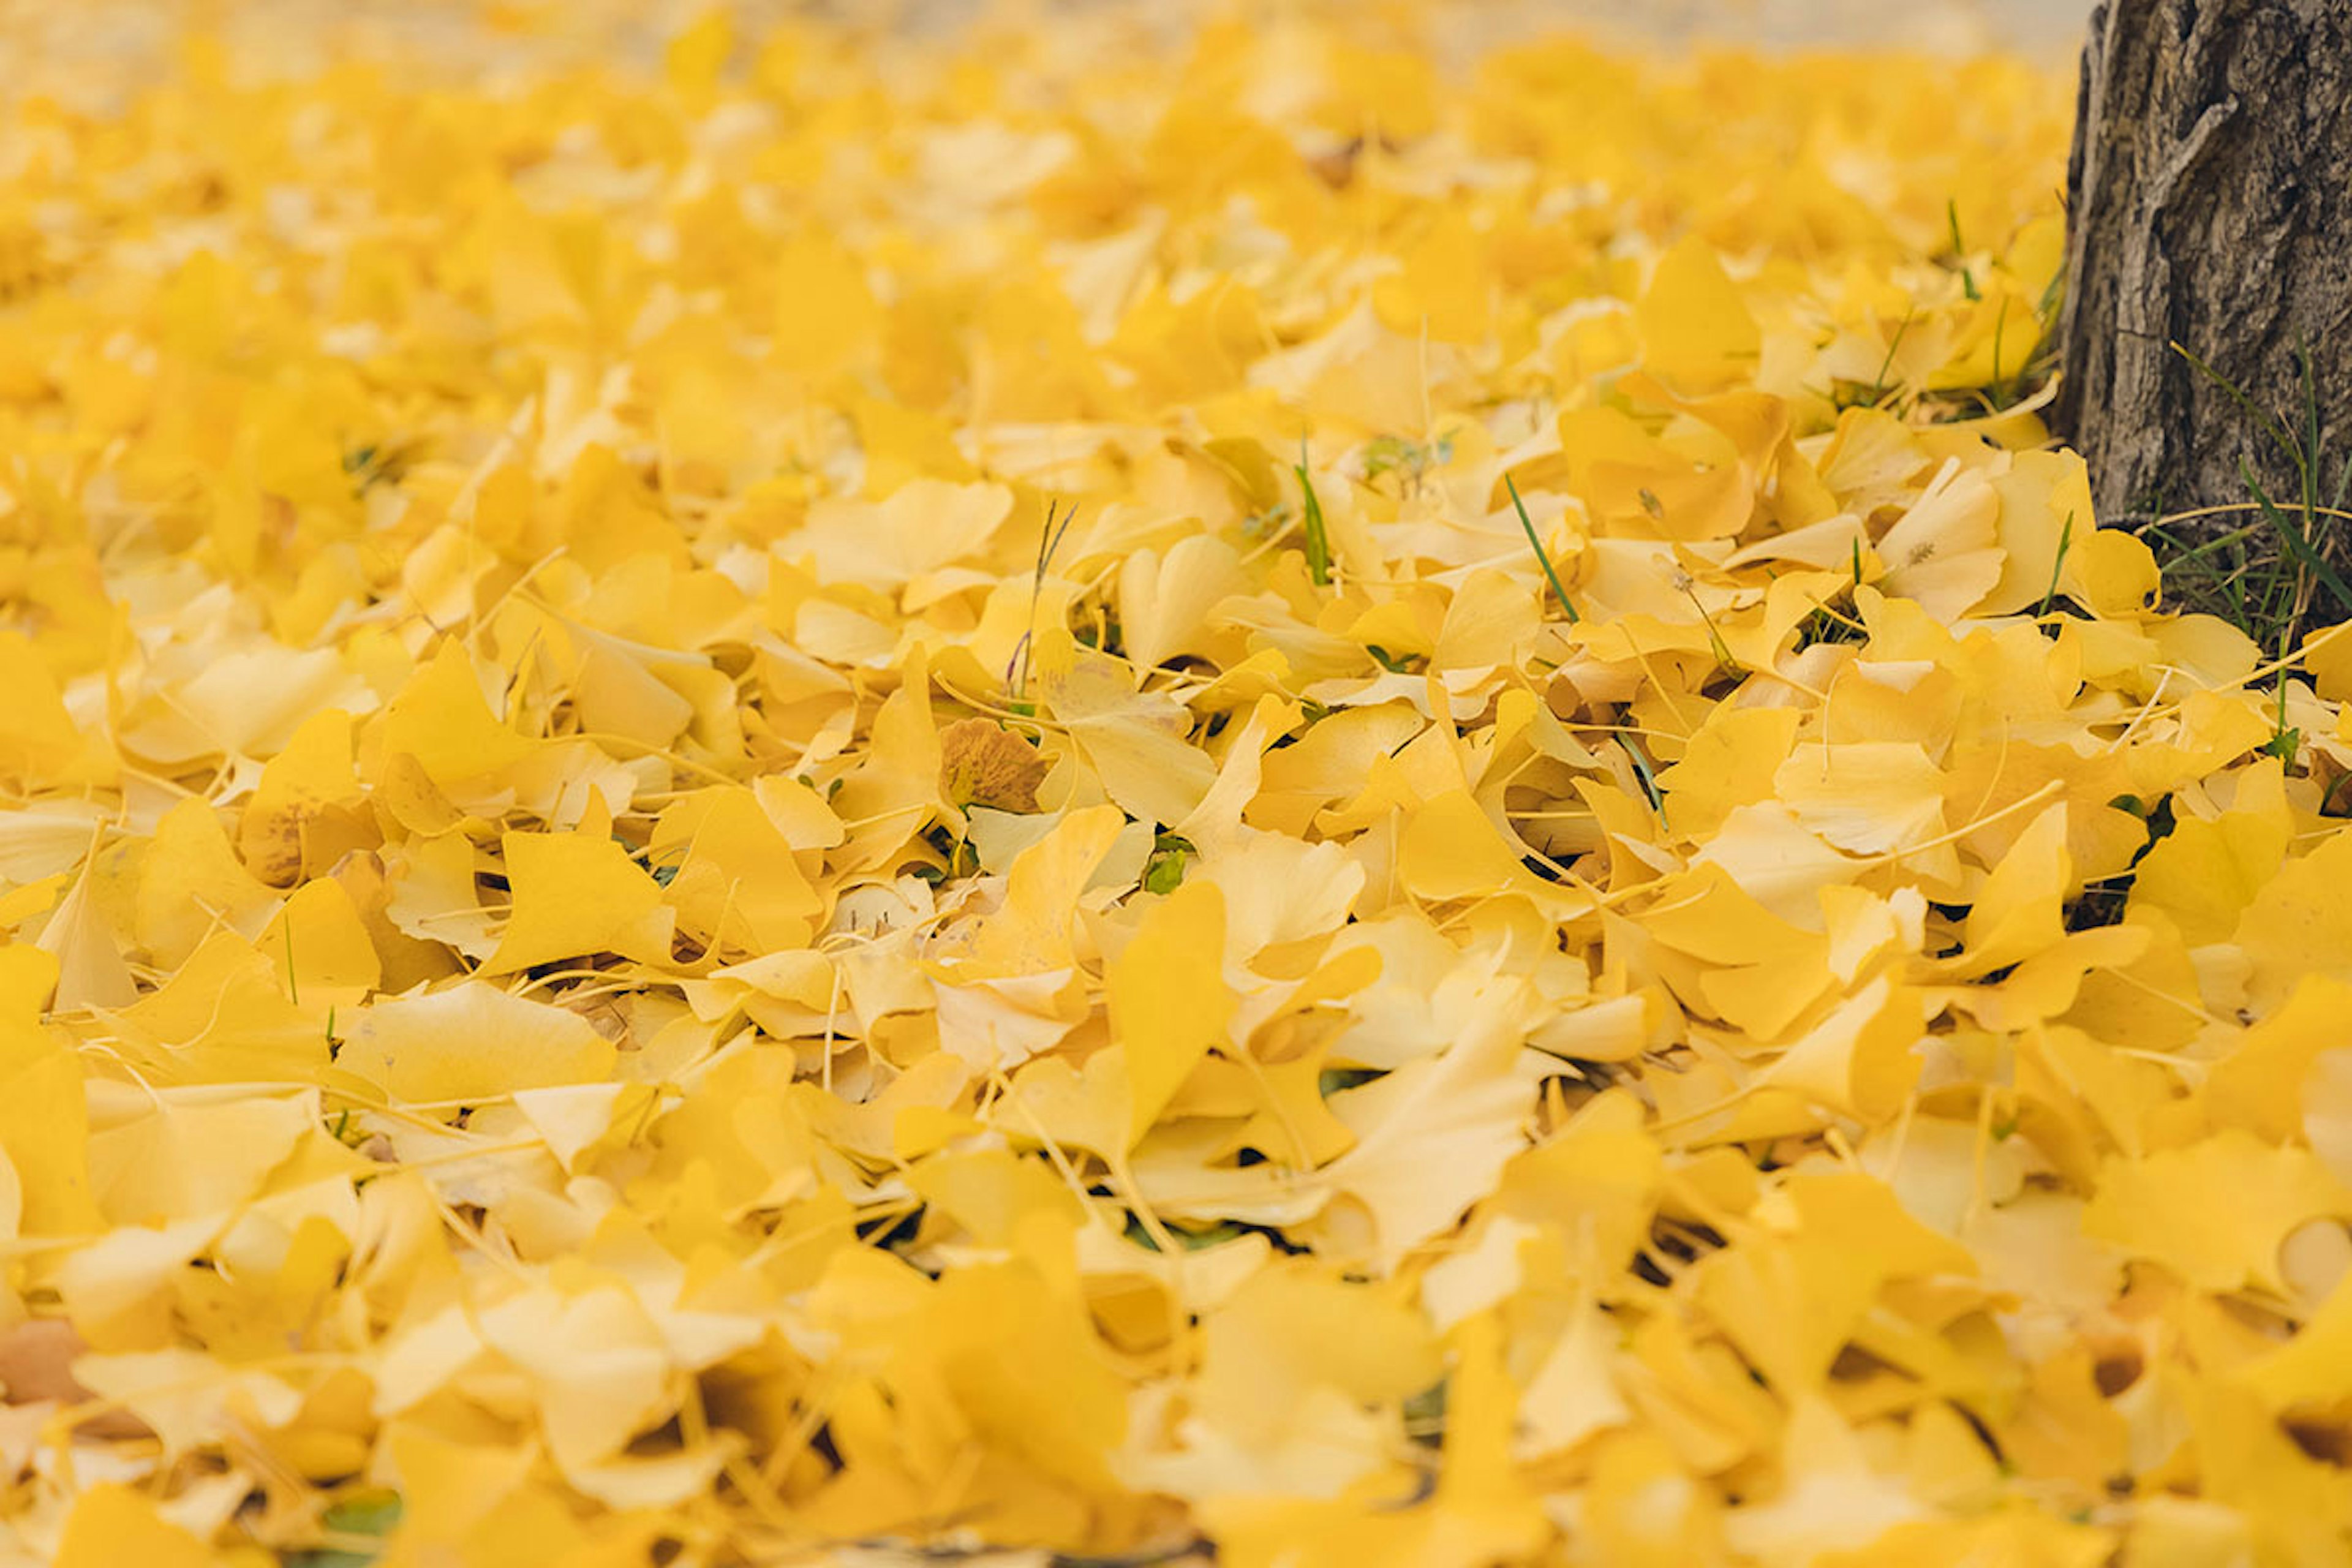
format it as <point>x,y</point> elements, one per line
<point>36,1365</point>
<point>981,764</point>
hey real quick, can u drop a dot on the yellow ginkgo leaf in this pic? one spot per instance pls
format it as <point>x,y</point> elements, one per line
<point>38,738</point>
<point>1030,932</point>
<point>1867,797</point>
<point>826,313</point>
<point>732,876</point>
<point>576,897</point>
<point>1134,739</point>
<point>1168,1001</point>
<point>111,1523</point>
<point>471,1042</point>
<point>2214,1212</point>
<point>441,720</point>
<point>1944,554</point>
<point>2205,872</point>
<point>1696,332</point>
<point>44,1135</point>
<point>2294,926</point>
<point>191,884</point>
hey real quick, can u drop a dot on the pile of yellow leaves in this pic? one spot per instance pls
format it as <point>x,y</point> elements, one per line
<point>1128,791</point>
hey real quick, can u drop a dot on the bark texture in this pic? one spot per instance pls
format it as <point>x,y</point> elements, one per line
<point>2208,191</point>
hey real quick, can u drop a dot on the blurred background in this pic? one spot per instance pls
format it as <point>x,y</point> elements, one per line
<point>102,45</point>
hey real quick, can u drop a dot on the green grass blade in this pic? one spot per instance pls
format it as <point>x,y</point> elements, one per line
<point>2058,566</point>
<point>1644,770</point>
<point>2296,544</point>
<point>1528,527</point>
<point>1968,278</point>
<point>1878,387</point>
<point>2175,559</point>
<point>2309,462</point>
<point>1318,540</point>
<point>2268,422</point>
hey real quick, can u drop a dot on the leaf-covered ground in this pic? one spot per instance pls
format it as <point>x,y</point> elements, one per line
<point>1134,793</point>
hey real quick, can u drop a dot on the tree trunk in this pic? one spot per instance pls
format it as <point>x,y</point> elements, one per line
<point>2207,197</point>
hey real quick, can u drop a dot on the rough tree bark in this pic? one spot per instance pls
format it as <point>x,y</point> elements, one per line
<point>2207,193</point>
